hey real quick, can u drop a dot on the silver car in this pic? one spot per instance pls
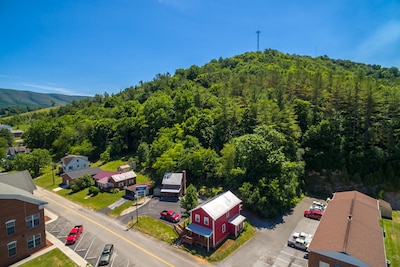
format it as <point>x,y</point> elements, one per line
<point>106,254</point>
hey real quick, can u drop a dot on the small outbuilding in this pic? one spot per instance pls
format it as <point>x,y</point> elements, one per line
<point>386,209</point>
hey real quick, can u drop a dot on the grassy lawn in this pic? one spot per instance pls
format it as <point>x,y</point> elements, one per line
<point>50,181</point>
<point>392,239</point>
<point>52,258</point>
<point>98,202</point>
<point>166,233</point>
<point>154,228</point>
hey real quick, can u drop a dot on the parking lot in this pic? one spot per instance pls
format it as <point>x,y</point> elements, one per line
<point>292,256</point>
<point>89,245</point>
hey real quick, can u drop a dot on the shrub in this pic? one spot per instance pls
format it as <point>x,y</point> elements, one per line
<point>93,190</point>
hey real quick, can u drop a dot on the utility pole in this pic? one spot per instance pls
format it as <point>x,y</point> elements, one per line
<point>258,40</point>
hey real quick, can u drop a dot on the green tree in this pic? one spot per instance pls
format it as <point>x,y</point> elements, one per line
<point>33,162</point>
<point>190,200</point>
<point>7,136</point>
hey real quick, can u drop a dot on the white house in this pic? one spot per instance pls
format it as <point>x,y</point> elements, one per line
<point>74,162</point>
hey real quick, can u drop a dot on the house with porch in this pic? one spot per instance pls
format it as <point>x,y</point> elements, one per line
<point>22,217</point>
<point>214,220</point>
<point>68,177</point>
<point>173,186</point>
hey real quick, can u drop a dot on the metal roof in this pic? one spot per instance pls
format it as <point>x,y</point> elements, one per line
<point>170,190</point>
<point>123,176</point>
<point>172,178</point>
<point>238,219</point>
<point>198,229</point>
<point>220,204</point>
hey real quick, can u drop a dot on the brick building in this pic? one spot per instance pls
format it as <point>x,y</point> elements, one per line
<point>22,218</point>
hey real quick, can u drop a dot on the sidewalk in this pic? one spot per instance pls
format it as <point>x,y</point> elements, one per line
<point>56,243</point>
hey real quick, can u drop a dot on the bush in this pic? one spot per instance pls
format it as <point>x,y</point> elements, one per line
<point>93,190</point>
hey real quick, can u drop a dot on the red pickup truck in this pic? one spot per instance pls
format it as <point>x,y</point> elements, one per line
<point>313,214</point>
<point>74,234</point>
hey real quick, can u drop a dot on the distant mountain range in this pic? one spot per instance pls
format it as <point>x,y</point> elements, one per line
<point>12,98</point>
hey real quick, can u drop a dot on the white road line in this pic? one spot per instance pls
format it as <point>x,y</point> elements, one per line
<point>293,255</point>
<point>291,263</point>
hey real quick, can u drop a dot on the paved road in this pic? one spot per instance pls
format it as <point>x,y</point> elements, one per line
<point>132,247</point>
<point>267,248</point>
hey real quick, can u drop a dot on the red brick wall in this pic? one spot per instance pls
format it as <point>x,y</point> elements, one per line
<point>18,210</point>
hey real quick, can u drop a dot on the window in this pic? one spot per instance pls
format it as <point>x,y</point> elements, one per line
<point>223,228</point>
<point>10,226</point>
<point>77,166</point>
<point>227,214</point>
<point>197,218</point>
<point>32,221</point>
<point>121,184</point>
<point>70,168</point>
<point>34,241</point>
<point>206,220</point>
<point>12,249</point>
<point>323,264</point>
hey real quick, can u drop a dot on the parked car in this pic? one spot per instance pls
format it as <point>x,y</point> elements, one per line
<point>74,234</point>
<point>313,214</point>
<point>300,241</point>
<point>318,206</point>
<point>106,254</point>
<point>170,215</point>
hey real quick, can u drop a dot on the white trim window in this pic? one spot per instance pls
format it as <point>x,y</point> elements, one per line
<point>223,228</point>
<point>206,221</point>
<point>227,214</point>
<point>10,227</point>
<point>12,249</point>
<point>32,221</point>
<point>34,241</point>
<point>197,218</point>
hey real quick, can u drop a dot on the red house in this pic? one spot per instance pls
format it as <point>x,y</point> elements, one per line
<point>214,220</point>
<point>107,180</point>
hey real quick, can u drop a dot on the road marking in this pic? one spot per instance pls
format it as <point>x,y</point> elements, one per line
<point>293,255</point>
<point>91,243</point>
<point>291,263</point>
<point>112,232</point>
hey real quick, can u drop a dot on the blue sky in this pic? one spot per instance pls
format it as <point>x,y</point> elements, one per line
<point>91,47</point>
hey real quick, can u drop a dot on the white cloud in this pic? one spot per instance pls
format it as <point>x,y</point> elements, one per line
<point>382,38</point>
<point>51,89</point>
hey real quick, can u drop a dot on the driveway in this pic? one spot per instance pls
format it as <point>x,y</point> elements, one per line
<point>269,246</point>
<point>152,208</point>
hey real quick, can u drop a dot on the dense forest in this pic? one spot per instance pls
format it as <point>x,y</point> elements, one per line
<point>267,125</point>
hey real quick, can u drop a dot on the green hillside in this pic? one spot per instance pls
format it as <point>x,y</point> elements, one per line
<point>267,125</point>
<point>11,98</point>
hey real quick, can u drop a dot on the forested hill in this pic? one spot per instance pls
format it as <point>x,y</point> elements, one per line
<point>259,123</point>
<point>16,101</point>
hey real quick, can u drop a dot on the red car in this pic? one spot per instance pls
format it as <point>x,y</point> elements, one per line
<point>74,234</point>
<point>313,214</point>
<point>170,215</point>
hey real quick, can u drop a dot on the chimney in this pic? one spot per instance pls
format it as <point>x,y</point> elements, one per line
<point>184,182</point>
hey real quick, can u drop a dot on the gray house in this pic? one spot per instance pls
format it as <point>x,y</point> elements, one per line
<point>173,186</point>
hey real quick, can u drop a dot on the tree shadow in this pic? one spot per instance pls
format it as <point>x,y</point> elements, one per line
<point>264,223</point>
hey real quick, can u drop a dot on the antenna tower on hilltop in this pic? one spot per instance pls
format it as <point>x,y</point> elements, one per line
<point>258,40</point>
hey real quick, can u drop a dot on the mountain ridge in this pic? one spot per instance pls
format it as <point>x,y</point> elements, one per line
<point>13,97</point>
